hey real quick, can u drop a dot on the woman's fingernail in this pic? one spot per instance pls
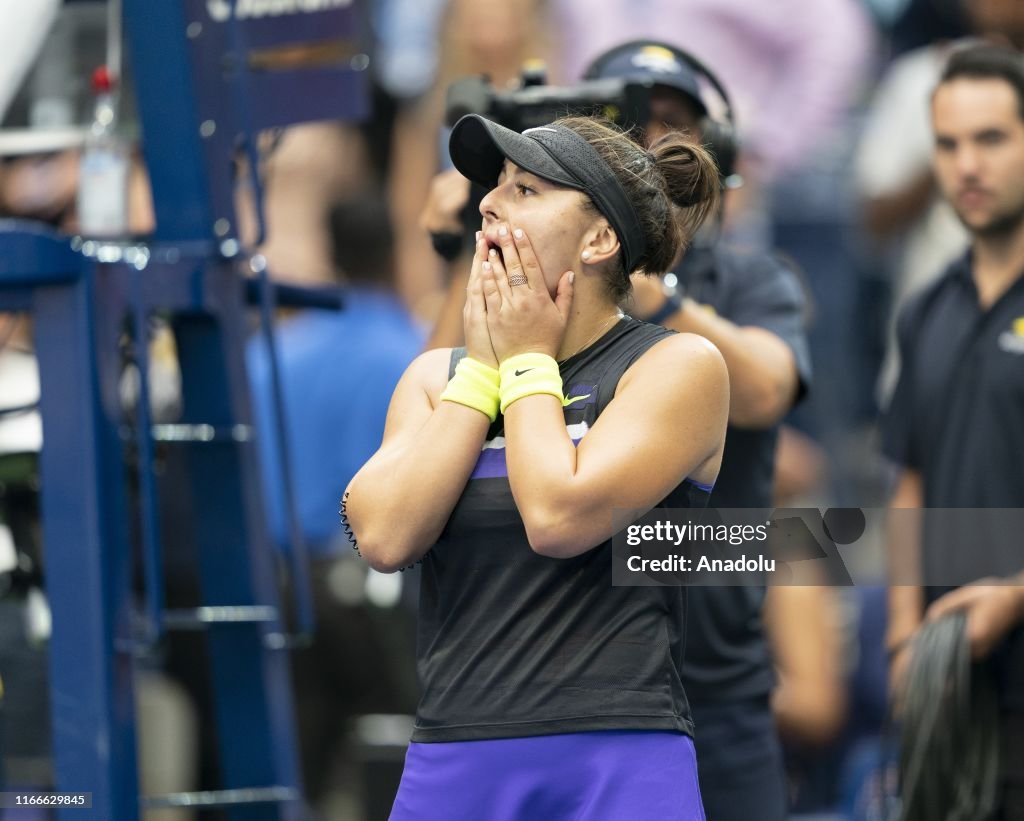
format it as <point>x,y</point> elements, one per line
<point>572,276</point>
<point>503,231</point>
<point>487,267</point>
<point>518,233</point>
<point>492,253</point>
<point>478,235</point>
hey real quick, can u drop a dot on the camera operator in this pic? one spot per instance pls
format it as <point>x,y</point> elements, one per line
<point>751,306</point>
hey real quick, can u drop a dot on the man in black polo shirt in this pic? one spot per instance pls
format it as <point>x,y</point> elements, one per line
<point>956,423</point>
<point>752,307</point>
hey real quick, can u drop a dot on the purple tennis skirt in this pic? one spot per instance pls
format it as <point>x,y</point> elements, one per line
<point>595,776</point>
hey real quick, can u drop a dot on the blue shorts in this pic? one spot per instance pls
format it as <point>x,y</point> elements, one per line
<point>595,776</point>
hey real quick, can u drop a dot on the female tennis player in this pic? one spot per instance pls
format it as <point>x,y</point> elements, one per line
<point>547,692</point>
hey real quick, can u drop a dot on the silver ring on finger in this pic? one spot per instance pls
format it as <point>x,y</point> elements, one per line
<point>518,279</point>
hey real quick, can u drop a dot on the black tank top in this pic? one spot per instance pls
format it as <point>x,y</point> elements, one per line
<point>511,643</point>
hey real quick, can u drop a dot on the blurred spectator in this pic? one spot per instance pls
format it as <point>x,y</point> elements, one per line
<point>43,187</point>
<point>894,178</point>
<point>338,371</point>
<point>308,167</point>
<point>492,37</point>
<point>1001,21</point>
<point>831,772</point>
<point>893,165</point>
<point>790,66</point>
<point>808,701</point>
<point>407,47</point>
<point>793,70</point>
<point>955,427</point>
<point>750,305</point>
<point>448,210</point>
<point>810,648</point>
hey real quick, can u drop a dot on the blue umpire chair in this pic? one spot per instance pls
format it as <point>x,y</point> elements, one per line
<point>210,76</point>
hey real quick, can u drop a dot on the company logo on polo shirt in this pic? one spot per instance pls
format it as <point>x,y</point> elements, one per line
<point>1012,341</point>
<point>220,10</point>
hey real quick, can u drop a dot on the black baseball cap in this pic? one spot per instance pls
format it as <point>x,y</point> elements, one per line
<point>479,148</point>
<point>652,62</point>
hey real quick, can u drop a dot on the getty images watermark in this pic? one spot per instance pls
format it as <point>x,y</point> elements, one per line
<point>835,546</point>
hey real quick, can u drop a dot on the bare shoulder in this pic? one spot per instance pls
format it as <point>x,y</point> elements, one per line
<point>677,394</point>
<point>417,394</point>
<point>678,361</point>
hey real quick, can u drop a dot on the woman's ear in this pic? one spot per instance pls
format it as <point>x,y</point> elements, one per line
<point>600,244</point>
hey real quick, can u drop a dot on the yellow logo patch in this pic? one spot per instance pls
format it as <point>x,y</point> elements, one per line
<point>1012,341</point>
<point>658,51</point>
<point>657,59</point>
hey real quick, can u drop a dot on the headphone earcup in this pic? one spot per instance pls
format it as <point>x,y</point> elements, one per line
<point>720,139</point>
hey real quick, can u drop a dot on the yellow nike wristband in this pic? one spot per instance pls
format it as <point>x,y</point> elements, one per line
<point>474,385</point>
<point>527,374</point>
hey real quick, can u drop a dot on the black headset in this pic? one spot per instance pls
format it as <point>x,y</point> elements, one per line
<point>717,133</point>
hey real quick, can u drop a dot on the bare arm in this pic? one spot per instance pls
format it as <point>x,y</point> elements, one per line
<point>906,599</point>
<point>994,606</point>
<point>666,422</point>
<point>802,625</point>
<point>448,331</point>
<point>413,165</point>
<point>763,378</point>
<point>449,194</point>
<point>399,501</point>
